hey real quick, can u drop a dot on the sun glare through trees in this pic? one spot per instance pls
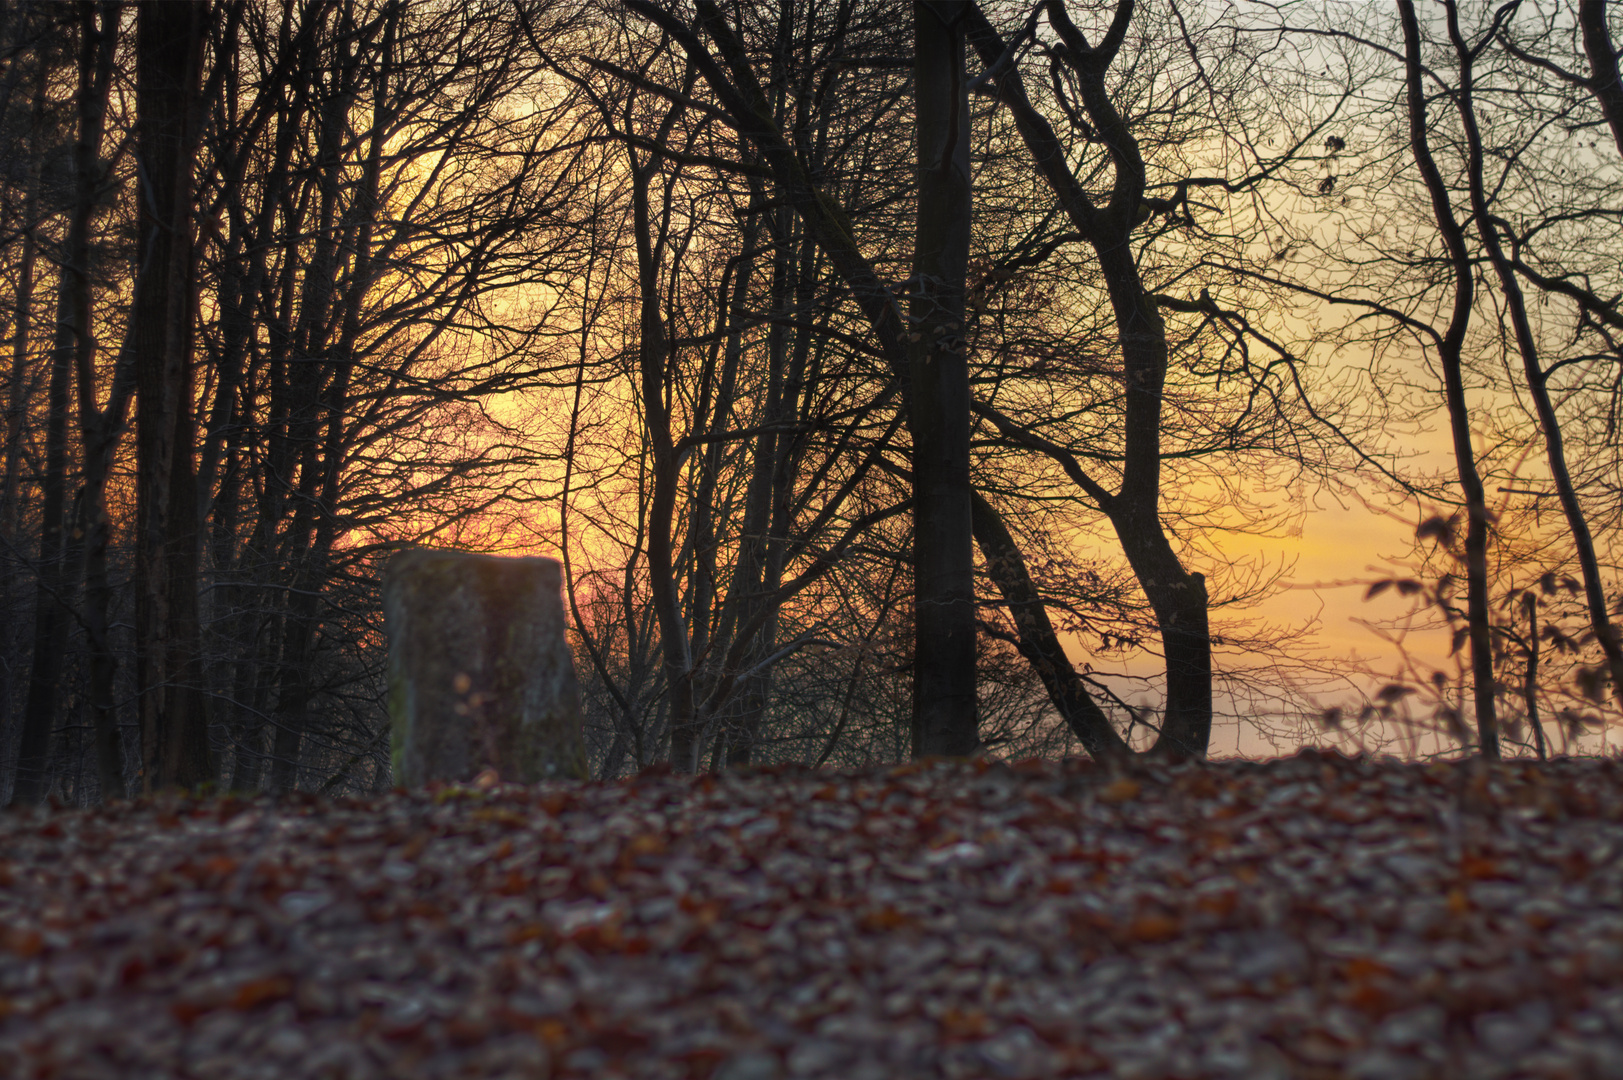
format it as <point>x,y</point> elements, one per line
<point>890,380</point>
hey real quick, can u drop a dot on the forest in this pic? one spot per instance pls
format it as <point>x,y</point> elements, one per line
<point>891,380</point>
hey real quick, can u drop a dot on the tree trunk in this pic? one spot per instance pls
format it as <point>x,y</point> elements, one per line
<point>1177,596</point>
<point>1038,642</point>
<point>51,598</point>
<point>652,353</point>
<point>314,349</point>
<point>23,320</point>
<point>752,584</point>
<point>1530,682</point>
<point>99,429</point>
<point>17,396</point>
<point>174,721</point>
<point>944,715</point>
<point>1604,81</point>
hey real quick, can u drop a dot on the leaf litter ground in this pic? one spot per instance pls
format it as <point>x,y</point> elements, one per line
<point>1311,917</point>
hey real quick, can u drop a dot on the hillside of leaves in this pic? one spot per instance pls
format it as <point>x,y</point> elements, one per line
<point>1311,917</point>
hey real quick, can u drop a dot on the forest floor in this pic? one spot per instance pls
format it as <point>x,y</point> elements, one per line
<point>1310,917</point>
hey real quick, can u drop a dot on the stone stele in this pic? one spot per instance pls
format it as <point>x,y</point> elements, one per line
<point>480,675</point>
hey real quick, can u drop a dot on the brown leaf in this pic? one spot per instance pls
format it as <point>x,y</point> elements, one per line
<point>257,992</point>
<point>23,942</point>
<point>1121,790</point>
<point>1153,928</point>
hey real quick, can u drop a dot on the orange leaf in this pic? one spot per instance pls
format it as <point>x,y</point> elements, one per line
<point>646,844</point>
<point>257,992</point>
<point>221,865</point>
<point>26,944</point>
<point>187,1011</point>
<point>1362,968</point>
<point>1371,998</point>
<point>1119,791</point>
<point>702,1062</point>
<point>467,1030</point>
<point>1200,785</point>
<point>552,1032</point>
<point>1154,928</point>
<point>963,1023</point>
<point>1349,814</point>
<point>601,937</point>
<point>885,918</point>
<point>528,932</point>
<point>500,815</point>
<point>704,912</point>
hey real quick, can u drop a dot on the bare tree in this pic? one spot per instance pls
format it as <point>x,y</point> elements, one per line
<point>944,624</point>
<point>1178,596</point>
<point>759,499</point>
<point>1449,348</point>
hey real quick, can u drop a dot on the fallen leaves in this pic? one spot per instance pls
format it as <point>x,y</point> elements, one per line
<point>1314,916</point>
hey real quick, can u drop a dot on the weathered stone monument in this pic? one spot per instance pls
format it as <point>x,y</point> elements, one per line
<point>480,675</point>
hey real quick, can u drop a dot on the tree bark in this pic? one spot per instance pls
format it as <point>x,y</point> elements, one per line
<point>19,389</point>
<point>944,717</point>
<point>51,597</point>
<point>314,351</point>
<point>99,428</point>
<point>173,707</point>
<point>1605,83</point>
<point>1530,681</point>
<point>652,352</point>
<point>33,743</point>
<point>1038,642</point>
<point>23,320</point>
